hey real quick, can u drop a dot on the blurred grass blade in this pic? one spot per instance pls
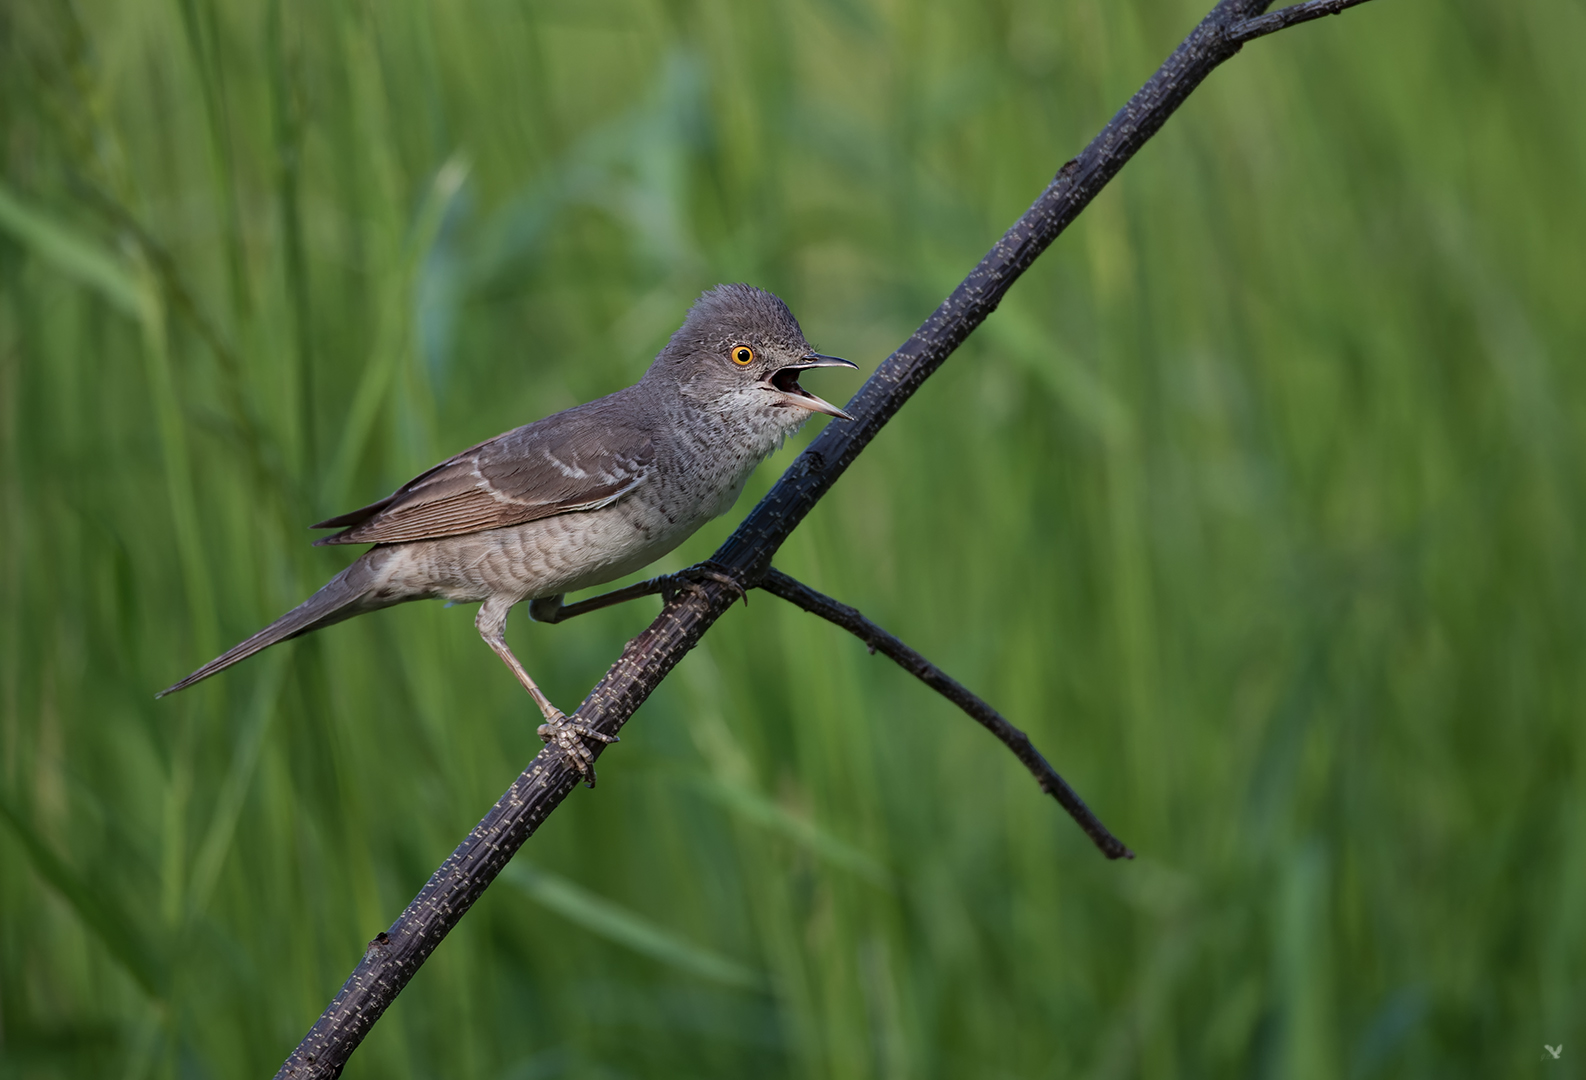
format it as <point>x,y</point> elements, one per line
<point>761,811</point>
<point>392,335</point>
<point>180,487</point>
<point>71,253</point>
<point>112,929</point>
<point>632,167</point>
<point>1042,354</point>
<point>228,804</point>
<point>618,924</point>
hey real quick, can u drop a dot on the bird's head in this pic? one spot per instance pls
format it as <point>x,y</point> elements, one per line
<point>740,349</point>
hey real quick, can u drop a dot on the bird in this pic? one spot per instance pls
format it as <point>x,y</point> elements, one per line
<point>581,497</point>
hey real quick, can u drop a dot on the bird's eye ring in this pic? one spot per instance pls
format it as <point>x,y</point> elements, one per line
<point>742,355</point>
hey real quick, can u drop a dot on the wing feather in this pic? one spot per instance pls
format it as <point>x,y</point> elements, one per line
<point>582,459</point>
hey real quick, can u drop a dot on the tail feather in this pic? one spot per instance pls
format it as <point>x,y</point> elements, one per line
<point>342,597</point>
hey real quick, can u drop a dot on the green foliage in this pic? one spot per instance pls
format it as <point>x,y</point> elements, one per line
<point>1260,505</point>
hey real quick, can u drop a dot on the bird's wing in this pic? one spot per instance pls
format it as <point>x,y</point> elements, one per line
<point>581,459</point>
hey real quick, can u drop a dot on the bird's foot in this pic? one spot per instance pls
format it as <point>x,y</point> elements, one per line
<point>700,572</point>
<point>568,736</point>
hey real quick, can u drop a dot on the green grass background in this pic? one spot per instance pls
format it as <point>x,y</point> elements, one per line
<point>1259,504</point>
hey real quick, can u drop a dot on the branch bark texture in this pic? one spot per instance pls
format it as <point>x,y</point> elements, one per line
<point>1283,18</point>
<point>393,957</point>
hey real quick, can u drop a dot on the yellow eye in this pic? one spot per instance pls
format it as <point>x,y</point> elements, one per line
<point>742,355</point>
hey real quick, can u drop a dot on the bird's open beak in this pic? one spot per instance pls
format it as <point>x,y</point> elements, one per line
<point>785,381</point>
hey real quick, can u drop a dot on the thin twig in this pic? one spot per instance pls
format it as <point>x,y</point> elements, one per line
<point>1285,17</point>
<point>552,610</point>
<point>395,955</point>
<point>878,640</point>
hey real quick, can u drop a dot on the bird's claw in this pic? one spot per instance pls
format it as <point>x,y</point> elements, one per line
<point>568,736</point>
<point>692,577</point>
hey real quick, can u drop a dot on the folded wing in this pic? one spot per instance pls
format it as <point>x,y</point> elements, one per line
<point>581,459</point>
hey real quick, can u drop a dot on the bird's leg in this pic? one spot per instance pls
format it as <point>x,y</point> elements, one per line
<point>550,609</point>
<point>567,735</point>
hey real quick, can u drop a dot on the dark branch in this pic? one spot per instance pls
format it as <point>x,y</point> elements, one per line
<point>393,957</point>
<point>552,610</point>
<point>1283,18</point>
<point>878,640</point>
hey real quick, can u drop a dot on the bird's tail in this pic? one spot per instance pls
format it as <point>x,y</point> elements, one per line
<point>349,593</point>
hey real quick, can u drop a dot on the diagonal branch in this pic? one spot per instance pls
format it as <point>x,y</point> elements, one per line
<point>393,957</point>
<point>878,640</point>
<point>1283,18</point>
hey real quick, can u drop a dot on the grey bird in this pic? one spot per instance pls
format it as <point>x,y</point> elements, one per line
<point>579,498</point>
